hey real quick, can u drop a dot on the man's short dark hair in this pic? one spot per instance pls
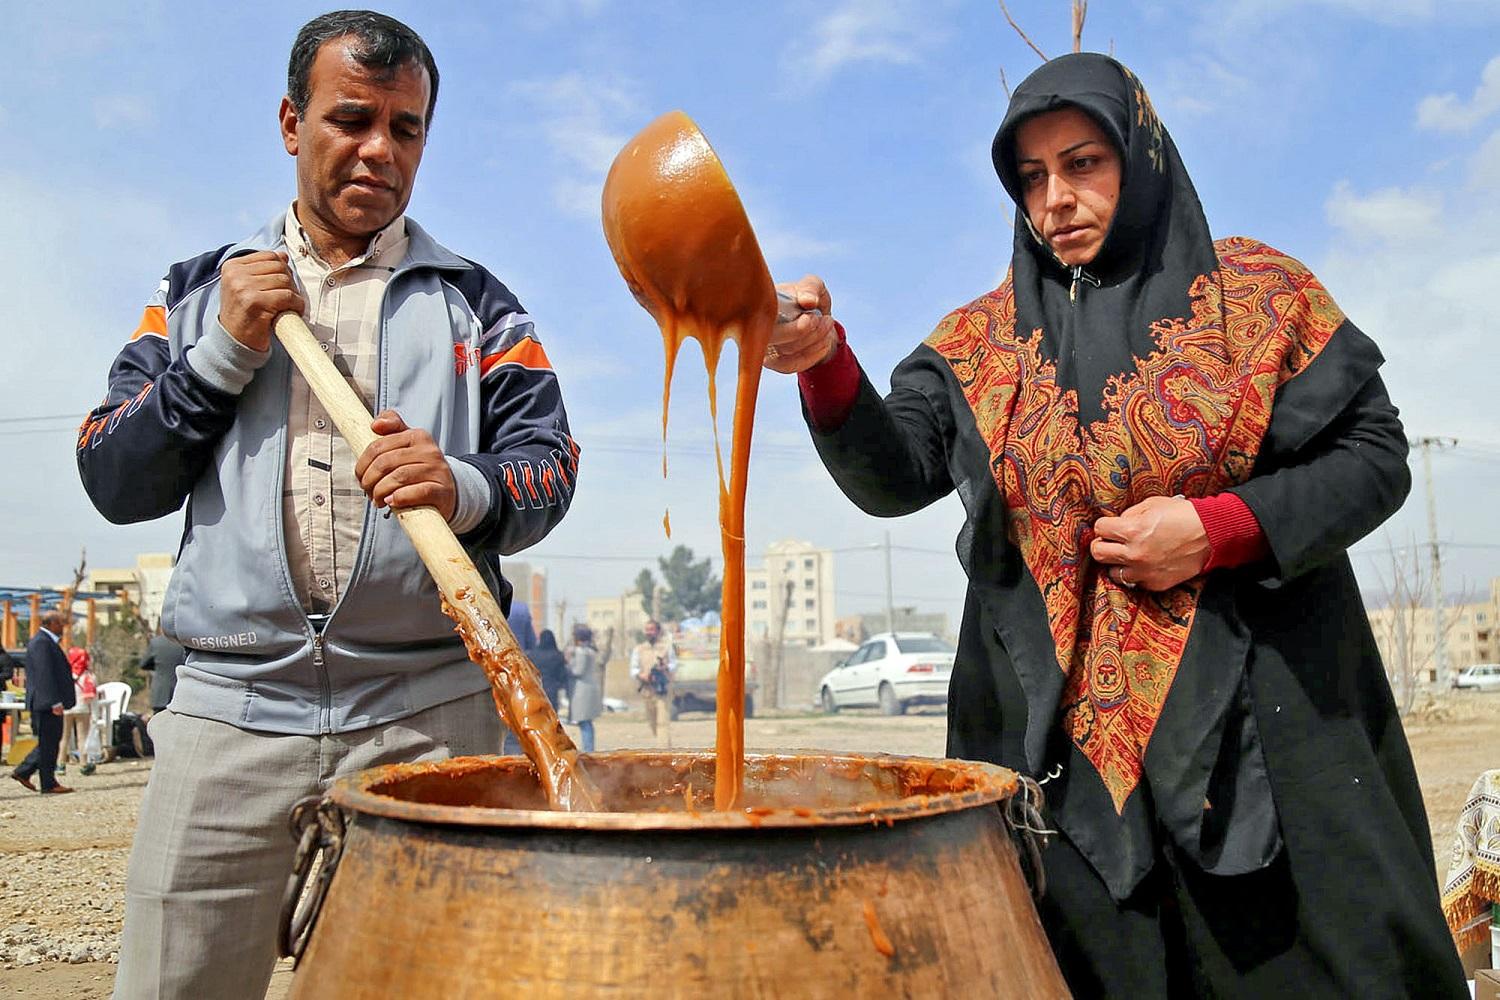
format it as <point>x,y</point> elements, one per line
<point>380,43</point>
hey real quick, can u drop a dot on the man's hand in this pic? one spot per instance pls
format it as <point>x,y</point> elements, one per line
<point>404,468</point>
<point>1156,544</point>
<point>808,340</point>
<point>57,710</point>
<point>253,291</point>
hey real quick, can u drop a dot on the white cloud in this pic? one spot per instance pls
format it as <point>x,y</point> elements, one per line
<point>580,119</point>
<point>892,32</point>
<point>783,246</point>
<point>1389,215</point>
<point>122,111</point>
<point>1448,113</point>
<point>1484,166</point>
<point>1201,85</point>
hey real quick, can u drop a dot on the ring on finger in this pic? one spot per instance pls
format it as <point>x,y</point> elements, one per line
<point>1121,580</point>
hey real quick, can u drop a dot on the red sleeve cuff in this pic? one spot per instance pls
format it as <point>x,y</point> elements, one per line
<point>1235,537</point>
<point>829,389</point>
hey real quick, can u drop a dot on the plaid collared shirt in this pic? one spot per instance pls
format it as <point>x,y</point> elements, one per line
<point>323,507</point>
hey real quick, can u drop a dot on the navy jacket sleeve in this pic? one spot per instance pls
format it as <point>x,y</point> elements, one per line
<point>142,448</point>
<point>529,457</point>
<point>49,681</point>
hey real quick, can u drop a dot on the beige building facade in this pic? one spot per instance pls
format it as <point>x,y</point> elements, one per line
<point>1408,636</point>
<point>144,584</point>
<point>809,610</point>
<point>624,614</point>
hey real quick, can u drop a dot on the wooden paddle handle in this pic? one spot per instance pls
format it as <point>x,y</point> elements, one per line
<point>447,561</point>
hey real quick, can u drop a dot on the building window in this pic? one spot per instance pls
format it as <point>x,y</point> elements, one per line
<point>809,604</point>
<point>807,564</point>
<point>812,624</point>
<point>757,585</point>
<point>809,583</point>
<point>758,605</point>
<point>787,566</point>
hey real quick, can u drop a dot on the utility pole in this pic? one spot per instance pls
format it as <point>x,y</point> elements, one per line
<point>779,689</point>
<point>890,602</point>
<point>1440,654</point>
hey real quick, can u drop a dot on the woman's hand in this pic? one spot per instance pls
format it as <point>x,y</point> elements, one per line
<point>809,340</point>
<point>1156,544</point>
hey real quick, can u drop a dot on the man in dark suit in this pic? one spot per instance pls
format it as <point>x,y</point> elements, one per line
<point>49,692</point>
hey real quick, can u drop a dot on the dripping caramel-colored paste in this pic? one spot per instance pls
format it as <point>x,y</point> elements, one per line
<point>686,250</point>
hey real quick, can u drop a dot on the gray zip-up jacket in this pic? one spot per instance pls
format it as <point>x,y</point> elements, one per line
<point>182,421</point>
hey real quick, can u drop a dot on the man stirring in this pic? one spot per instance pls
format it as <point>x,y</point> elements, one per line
<point>316,644</point>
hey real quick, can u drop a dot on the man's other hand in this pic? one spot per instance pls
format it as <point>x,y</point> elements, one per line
<point>405,468</point>
<point>253,290</point>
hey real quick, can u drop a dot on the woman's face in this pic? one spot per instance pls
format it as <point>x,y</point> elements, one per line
<point>1070,179</point>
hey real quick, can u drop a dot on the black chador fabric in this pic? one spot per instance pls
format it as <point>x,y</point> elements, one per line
<point>1269,763</point>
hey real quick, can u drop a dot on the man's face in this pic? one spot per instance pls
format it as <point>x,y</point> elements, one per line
<point>359,142</point>
<point>652,631</point>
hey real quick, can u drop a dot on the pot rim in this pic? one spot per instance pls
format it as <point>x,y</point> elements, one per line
<point>991,784</point>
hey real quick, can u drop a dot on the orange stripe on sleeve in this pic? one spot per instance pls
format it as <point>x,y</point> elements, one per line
<point>525,352</point>
<point>153,323</point>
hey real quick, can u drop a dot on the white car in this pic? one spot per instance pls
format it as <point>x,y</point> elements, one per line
<point>1479,677</point>
<point>891,670</point>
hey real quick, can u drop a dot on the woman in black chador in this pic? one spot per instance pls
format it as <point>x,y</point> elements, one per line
<point>1164,445</point>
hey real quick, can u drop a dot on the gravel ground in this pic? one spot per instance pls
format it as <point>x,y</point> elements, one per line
<point>62,888</point>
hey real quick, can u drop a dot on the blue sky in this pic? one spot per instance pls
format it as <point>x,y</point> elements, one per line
<point>1362,136</point>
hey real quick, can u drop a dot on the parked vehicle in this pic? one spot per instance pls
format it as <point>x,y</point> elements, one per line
<point>892,670</point>
<point>695,686</point>
<point>1479,677</point>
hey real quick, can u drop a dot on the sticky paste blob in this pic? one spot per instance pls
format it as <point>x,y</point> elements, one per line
<point>687,252</point>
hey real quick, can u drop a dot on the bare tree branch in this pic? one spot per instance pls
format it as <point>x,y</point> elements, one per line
<point>1024,37</point>
<point>79,571</point>
<point>1004,83</point>
<point>1080,11</point>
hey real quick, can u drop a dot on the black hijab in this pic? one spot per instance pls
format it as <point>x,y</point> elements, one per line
<point>1096,319</point>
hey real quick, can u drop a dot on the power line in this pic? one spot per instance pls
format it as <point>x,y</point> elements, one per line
<point>75,417</point>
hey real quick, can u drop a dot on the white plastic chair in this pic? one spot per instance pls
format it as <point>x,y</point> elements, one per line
<point>113,700</point>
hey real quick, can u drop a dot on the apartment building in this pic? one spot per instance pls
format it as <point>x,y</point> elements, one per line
<point>1407,636</point>
<point>808,603</point>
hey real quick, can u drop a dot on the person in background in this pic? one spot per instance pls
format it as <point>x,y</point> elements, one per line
<point>163,656</point>
<point>1165,445</point>
<point>550,664</point>
<point>519,621</point>
<point>76,719</point>
<point>653,662</point>
<point>49,693</point>
<point>586,664</point>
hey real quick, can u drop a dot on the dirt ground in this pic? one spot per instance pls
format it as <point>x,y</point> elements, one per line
<point>62,887</point>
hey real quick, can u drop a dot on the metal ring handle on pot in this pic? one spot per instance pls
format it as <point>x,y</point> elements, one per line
<point>1022,814</point>
<point>318,827</point>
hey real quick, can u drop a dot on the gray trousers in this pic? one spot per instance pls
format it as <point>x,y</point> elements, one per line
<point>212,850</point>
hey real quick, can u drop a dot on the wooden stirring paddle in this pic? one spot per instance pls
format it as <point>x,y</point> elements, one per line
<point>467,600</point>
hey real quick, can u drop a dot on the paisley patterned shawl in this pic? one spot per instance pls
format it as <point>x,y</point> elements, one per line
<point>1187,419</point>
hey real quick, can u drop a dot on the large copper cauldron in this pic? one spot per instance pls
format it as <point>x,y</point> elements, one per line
<point>844,876</point>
